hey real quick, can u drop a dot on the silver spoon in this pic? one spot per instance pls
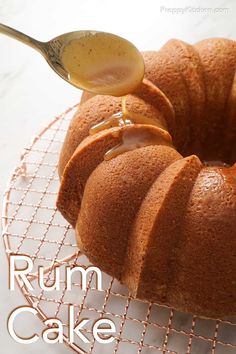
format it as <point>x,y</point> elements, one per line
<point>98,62</point>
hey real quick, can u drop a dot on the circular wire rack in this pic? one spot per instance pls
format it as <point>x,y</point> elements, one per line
<point>32,226</point>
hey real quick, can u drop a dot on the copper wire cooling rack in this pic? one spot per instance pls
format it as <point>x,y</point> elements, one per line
<point>32,226</point>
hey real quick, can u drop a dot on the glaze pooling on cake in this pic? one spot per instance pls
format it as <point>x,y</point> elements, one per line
<point>154,215</point>
<point>131,139</point>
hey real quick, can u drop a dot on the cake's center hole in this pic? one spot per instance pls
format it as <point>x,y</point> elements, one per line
<point>216,163</point>
<point>214,160</point>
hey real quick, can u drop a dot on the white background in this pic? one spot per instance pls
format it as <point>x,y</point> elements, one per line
<point>31,93</point>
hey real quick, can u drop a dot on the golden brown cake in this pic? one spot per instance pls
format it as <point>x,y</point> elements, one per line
<point>153,198</point>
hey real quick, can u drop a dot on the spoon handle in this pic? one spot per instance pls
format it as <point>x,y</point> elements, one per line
<point>11,32</point>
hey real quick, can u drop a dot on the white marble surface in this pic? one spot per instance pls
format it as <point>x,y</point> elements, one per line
<point>31,94</point>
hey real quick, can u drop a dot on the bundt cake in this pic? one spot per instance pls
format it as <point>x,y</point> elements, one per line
<point>151,191</point>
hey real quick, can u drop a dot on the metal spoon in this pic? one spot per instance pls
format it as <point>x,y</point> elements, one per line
<point>98,62</point>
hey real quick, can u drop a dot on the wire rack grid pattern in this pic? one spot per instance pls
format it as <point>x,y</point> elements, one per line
<point>32,226</point>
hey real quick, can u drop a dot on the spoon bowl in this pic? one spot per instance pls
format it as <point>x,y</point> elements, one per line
<point>99,62</point>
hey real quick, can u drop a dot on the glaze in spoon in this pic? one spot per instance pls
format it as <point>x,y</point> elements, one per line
<point>98,62</point>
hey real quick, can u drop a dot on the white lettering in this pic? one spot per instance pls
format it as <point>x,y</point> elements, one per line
<point>10,325</point>
<point>84,272</point>
<point>101,329</point>
<point>76,329</point>
<point>20,272</point>
<point>55,285</point>
<point>97,330</point>
<point>58,331</point>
